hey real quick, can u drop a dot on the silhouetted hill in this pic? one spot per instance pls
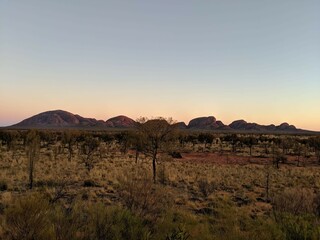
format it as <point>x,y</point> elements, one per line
<point>286,127</point>
<point>206,123</point>
<point>180,125</point>
<point>245,126</point>
<point>57,118</point>
<point>121,122</point>
<point>64,119</point>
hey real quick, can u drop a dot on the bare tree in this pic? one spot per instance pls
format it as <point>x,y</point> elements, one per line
<point>154,134</point>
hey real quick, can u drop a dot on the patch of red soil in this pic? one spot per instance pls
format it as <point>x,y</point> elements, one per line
<point>228,158</point>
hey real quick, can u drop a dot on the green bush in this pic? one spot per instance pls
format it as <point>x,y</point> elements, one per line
<point>28,219</point>
<point>113,223</point>
<point>301,227</point>
<point>33,218</point>
<point>178,234</point>
<point>295,211</point>
<point>141,196</point>
<point>68,223</point>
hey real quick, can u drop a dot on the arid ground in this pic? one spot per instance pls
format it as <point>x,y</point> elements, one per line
<point>99,185</point>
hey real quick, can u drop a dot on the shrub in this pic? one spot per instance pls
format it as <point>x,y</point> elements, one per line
<point>298,227</point>
<point>178,234</point>
<point>294,201</point>
<point>68,222</point>
<point>206,187</point>
<point>112,223</point>
<point>33,218</point>
<point>141,196</point>
<point>2,208</point>
<point>175,154</point>
<point>89,183</point>
<point>3,186</point>
<point>28,219</point>
<point>294,211</point>
<point>231,222</point>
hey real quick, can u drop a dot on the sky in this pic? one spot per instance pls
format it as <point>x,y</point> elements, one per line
<point>232,59</point>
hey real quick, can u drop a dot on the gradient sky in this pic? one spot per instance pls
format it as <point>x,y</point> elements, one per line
<point>240,59</point>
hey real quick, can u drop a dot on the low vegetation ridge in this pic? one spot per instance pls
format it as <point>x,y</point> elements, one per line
<point>64,119</point>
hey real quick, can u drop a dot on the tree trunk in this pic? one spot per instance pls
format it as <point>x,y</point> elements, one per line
<point>154,158</point>
<point>267,187</point>
<point>273,155</point>
<point>70,153</point>
<point>31,166</point>
<point>137,156</point>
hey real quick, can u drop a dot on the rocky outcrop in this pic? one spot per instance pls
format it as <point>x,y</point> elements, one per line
<point>56,118</point>
<point>180,125</point>
<point>120,122</point>
<point>238,124</point>
<point>286,127</point>
<point>245,126</point>
<point>205,123</point>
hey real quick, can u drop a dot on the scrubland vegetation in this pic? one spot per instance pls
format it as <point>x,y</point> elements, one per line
<point>158,183</point>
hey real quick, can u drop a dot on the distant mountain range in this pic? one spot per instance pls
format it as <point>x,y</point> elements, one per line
<point>64,119</point>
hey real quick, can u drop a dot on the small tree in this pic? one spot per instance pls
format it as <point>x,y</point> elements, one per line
<point>33,152</point>
<point>154,134</point>
<point>69,139</point>
<point>250,142</point>
<point>233,139</point>
<point>107,139</point>
<point>9,138</point>
<point>314,142</point>
<point>123,139</point>
<point>206,139</point>
<point>298,149</point>
<point>47,138</point>
<point>279,158</point>
<point>136,143</point>
<point>286,144</point>
<point>89,147</point>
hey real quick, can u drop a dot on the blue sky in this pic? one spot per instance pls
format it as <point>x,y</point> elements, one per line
<point>252,60</point>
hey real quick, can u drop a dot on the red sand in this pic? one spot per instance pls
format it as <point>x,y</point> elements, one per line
<point>227,158</point>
